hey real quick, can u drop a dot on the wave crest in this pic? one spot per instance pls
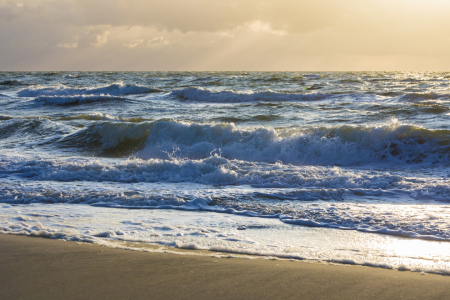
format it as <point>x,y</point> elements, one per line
<point>118,89</point>
<point>68,100</point>
<point>342,146</point>
<point>206,95</point>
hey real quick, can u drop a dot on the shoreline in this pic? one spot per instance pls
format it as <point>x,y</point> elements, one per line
<point>40,268</point>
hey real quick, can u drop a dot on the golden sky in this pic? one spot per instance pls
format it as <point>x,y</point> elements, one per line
<point>225,35</point>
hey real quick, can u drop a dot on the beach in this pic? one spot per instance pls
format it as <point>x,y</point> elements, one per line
<point>38,268</point>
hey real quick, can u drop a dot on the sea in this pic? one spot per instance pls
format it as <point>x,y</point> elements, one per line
<point>329,167</point>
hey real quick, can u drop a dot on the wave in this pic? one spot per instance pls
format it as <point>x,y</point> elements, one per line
<point>70,100</point>
<point>70,76</point>
<point>343,146</point>
<point>117,89</point>
<point>51,73</point>
<point>315,87</point>
<point>310,182</point>
<point>257,118</point>
<point>390,143</point>
<point>313,183</point>
<point>112,138</point>
<point>417,97</point>
<point>93,116</point>
<point>96,116</point>
<point>351,81</point>
<point>229,96</point>
<point>44,131</point>
<point>15,131</point>
<point>431,108</point>
<point>12,83</point>
<point>312,76</point>
<point>206,95</point>
<point>5,117</point>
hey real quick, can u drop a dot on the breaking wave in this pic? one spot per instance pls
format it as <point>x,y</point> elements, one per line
<point>341,146</point>
<point>325,183</point>
<point>389,143</point>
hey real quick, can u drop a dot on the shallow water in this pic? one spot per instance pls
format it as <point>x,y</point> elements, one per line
<point>352,154</point>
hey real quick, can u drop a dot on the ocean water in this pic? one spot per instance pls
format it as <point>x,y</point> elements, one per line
<point>338,167</point>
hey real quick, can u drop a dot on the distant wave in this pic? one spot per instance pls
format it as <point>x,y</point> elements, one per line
<point>416,97</point>
<point>257,118</point>
<point>18,129</point>
<point>118,89</point>
<point>5,117</point>
<point>12,83</point>
<point>206,95</point>
<point>79,99</point>
<point>228,96</point>
<point>96,116</point>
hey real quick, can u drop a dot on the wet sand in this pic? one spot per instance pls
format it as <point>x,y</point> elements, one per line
<point>38,268</point>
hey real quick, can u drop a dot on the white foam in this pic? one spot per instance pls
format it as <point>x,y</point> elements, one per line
<point>385,219</point>
<point>266,239</point>
<point>404,233</point>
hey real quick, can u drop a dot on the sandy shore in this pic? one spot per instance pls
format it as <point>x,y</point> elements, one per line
<point>37,268</point>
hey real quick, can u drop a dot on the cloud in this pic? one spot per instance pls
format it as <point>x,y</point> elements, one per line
<point>134,43</point>
<point>157,41</point>
<point>68,45</point>
<point>223,34</point>
<point>182,15</point>
<point>293,16</point>
<point>100,39</point>
<point>259,26</point>
<point>73,44</point>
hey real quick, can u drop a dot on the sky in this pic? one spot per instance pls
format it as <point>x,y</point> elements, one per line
<point>225,35</point>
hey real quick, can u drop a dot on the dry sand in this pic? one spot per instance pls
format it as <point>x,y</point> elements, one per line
<point>37,268</point>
